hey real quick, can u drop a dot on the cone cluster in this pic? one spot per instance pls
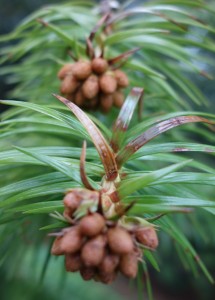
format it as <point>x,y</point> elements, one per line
<point>99,248</point>
<point>92,84</point>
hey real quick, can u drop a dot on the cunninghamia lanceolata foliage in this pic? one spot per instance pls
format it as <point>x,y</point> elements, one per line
<point>105,222</point>
<point>101,240</point>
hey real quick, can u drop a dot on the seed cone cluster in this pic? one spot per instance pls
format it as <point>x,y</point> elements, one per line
<point>99,248</point>
<point>92,84</point>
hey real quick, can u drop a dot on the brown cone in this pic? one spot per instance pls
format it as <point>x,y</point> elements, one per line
<point>64,71</point>
<point>109,263</point>
<point>106,278</point>
<point>107,83</point>
<point>56,246</point>
<point>121,78</point>
<point>71,241</point>
<point>119,240</point>
<point>82,69</point>
<point>99,65</point>
<point>129,265</point>
<point>69,84</point>
<point>118,99</point>
<point>73,262</point>
<point>106,102</point>
<point>147,236</point>
<point>93,251</point>
<point>79,98</point>
<point>90,87</point>
<point>87,273</point>
<point>92,103</point>
<point>92,225</point>
<point>71,201</point>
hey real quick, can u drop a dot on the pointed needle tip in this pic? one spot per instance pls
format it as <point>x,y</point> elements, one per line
<point>59,97</point>
<point>137,92</point>
<point>41,21</point>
